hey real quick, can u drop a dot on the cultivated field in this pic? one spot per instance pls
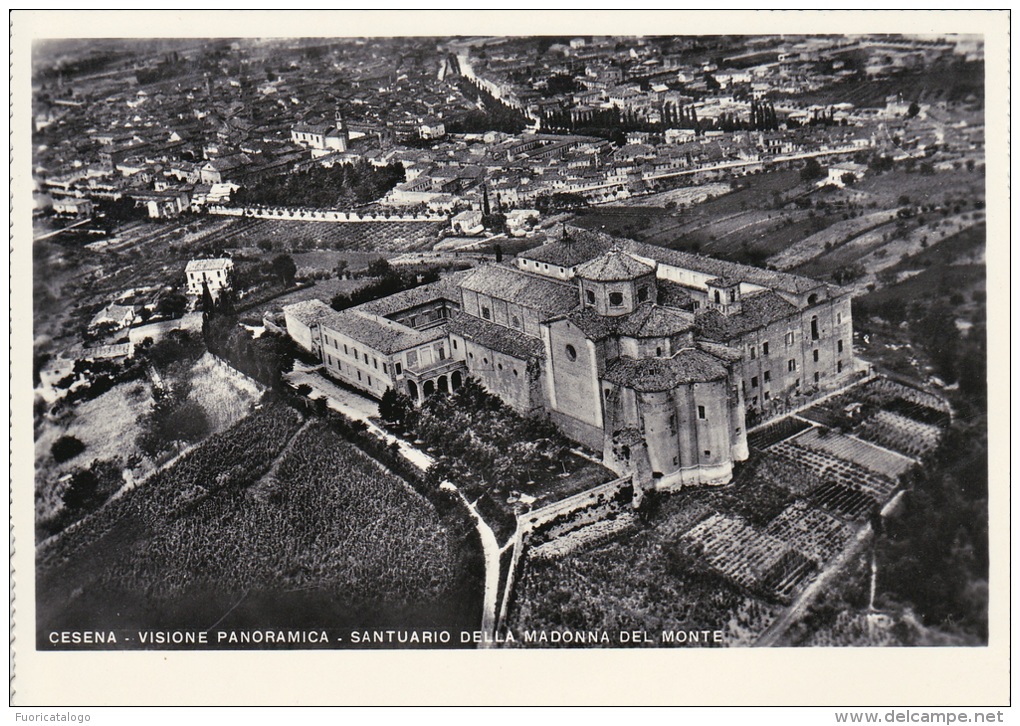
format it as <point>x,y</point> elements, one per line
<point>329,539</point>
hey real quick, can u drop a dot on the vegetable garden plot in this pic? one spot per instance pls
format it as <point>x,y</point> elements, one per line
<point>844,500</point>
<point>746,556</point>
<point>829,468</point>
<point>775,432</point>
<point>906,400</point>
<point>900,433</point>
<point>817,535</point>
<point>869,456</point>
<point>379,236</point>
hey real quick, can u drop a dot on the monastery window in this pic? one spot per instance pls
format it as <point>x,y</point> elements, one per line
<point>816,376</point>
<point>411,321</point>
<point>616,299</point>
<point>453,342</point>
<point>590,297</point>
<point>812,299</point>
<point>370,380</point>
<point>676,461</point>
<point>766,395</point>
<point>839,346</point>
<point>717,298</point>
<point>486,313</point>
<point>375,363</point>
<point>767,376</point>
<point>791,365</point>
<point>701,412</point>
<point>814,327</point>
<point>329,359</point>
<point>796,383</point>
<point>366,358</point>
<point>697,305</point>
<point>642,293</point>
<point>485,361</point>
<point>754,352</point>
<point>359,375</point>
<point>754,382</point>
<point>346,352</point>
<point>384,368</point>
<point>707,452</point>
<point>765,348</point>
<point>442,353</point>
<point>658,351</point>
<point>499,366</point>
<point>839,318</point>
<point>354,352</point>
<point>471,356</point>
<point>571,352</point>
<point>733,295</point>
<point>814,355</point>
<point>515,372</point>
<point>396,368</point>
<point>839,366</point>
<point>789,339</point>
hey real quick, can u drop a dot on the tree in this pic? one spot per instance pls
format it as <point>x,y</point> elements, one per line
<point>66,448</point>
<point>208,306</point>
<point>82,492</point>
<point>380,268</point>
<point>284,268</point>
<point>342,269</point>
<point>812,170</point>
<point>913,109</point>
<point>848,179</point>
<point>172,305</point>
<point>393,406</point>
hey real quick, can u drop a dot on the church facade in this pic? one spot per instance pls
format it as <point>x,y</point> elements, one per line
<point>655,358</point>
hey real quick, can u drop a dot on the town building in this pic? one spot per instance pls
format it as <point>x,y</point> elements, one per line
<point>653,357</point>
<point>322,136</point>
<point>215,274</point>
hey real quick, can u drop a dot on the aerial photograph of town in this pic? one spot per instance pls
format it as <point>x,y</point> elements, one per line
<point>509,342</point>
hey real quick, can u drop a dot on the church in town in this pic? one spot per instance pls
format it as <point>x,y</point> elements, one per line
<point>656,358</point>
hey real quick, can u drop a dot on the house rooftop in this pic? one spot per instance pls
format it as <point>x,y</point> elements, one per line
<point>614,266</point>
<point>504,282</point>
<point>495,337</point>
<point>690,365</point>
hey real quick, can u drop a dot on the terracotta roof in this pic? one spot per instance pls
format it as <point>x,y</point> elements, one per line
<point>219,263</point>
<point>674,295</point>
<point>507,283</point>
<point>378,333</point>
<point>690,365</point>
<point>584,245</point>
<point>652,321</point>
<point>495,337</point>
<point>614,265</point>
<point>756,311</point>
<point>647,321</point>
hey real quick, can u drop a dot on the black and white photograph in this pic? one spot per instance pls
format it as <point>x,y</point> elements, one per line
<point>509,341</point>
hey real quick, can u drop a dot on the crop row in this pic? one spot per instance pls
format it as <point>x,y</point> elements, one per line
<point>747,556</point>
<point>235,457</point>
<point>829,468</point>
<point>870,457</point>
<point>900,433</point>
<point>814,533</point>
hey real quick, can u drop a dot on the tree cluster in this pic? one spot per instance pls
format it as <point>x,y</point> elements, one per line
<point>341,186</point>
